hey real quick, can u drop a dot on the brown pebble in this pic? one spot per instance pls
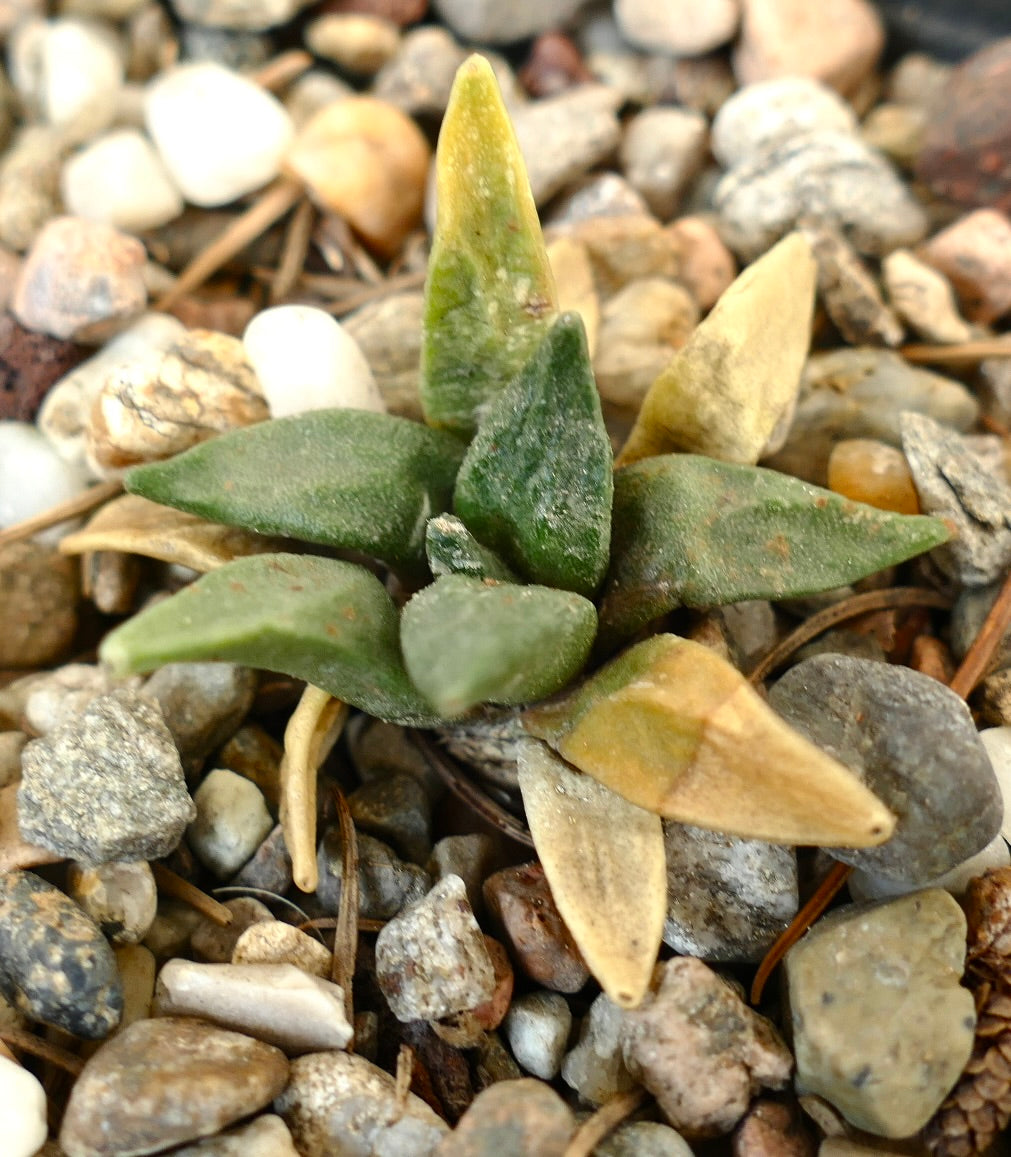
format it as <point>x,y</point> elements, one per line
<point>974,253</point>
<point>402,12</point>
<point>38,604</point>
<point>30,363</point>
<point>966,151</point>
<point>523,1118</point>
<point>873,472</point>
<point>930,656</point>
<point>439,1066</point>
<point>706,266</point>
<point>228,315</point>
<point>554,64</point>
<point>165,1081</point>
<point>491,1014</point>
<point>520,899</point>
<point>773,1129</point>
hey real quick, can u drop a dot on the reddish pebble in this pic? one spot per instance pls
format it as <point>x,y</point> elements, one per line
<point>974,254</point>
<point>30,363</point>
<point>491,1014</point>
<point>931,657</point>
<point>402,12</point>
<point>773,1129</point>
<point>554,65</point>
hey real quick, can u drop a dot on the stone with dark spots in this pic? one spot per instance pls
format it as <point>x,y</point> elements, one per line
<point>55,964</point>
<point>914,744</point>
<point>30,363</point>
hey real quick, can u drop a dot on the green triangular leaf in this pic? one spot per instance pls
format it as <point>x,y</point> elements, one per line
<point>536,483</point>
<point>691,531</point>
<point>345,478</point>
<point>468,641</point>
<point>490,293</point>
<point>452,549</point>
<point>328,622</point>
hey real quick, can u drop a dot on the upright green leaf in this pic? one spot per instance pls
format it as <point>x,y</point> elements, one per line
<point>346,478</point>
<point>536,483</point>
<point>468,641</point>
<point>490,293</point>
<point>452,549</point>
<point>328,622</point>
<point>691,531</point>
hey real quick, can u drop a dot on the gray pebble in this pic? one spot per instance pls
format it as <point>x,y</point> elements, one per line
<point>524,1118</point>
<point>662,151</point>
<point>727,898</point>
<point>598,195</point>
<point>595,1067</point>
<point>380,749</point>
<point>174,924</point>
<point>644,1139</point>
<point>235,48</point>
<point>419,78</point>
<point>65,692</point>
<point>385,883</point>
<point>967,617</point>
<point>269,867</point>
<point>215,943</point>
<point>121,897</point>
<point>537,1027</point>
<point>106,785</point>
<point>490,22</point>
<point>55,965</point>
<point>264,1136</point>
<point>431,959</point>
<point>824,178</point>
<point>395,809</point>
<point>954,485</point>
<point>203,705</point>
<point>231,821</point>
<point>914,744</point>
<point>469,857</point>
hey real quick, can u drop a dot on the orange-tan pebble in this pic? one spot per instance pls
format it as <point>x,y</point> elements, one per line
<point>872,472</point>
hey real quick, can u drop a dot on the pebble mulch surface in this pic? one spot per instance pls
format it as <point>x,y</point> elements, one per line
<point>169,175</point>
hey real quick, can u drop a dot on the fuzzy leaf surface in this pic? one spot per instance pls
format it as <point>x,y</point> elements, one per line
<point>345,478</point>
<point>452,549</point>
<point>328,622</point>
<point>466,641</point>
<point>536,483</point>
<point>691,531</point>
<point>490,294</point>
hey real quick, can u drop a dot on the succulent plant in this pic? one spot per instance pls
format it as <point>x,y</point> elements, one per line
<point>536,572</point>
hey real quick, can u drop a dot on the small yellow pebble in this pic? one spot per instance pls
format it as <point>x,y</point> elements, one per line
<point>873,472</point>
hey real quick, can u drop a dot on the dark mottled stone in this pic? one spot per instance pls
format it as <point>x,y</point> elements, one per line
<point>914,744</point>
<point>55,964</point>
<point>385,884</point>
<point>270,866</point>
<point>396,809</point>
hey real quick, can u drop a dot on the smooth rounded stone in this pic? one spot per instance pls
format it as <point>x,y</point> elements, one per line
<point>468,856</point>
<point>595,1067</point>
<point>219,134</point>
<point>64,414</point>
<point>264,1136</point>
<point>771,112</point>
<point>662,151</point>
<point>681,28</point>
<point>396,810</point>
<point>273,942</point>
<point>306,360</point>
<point>825,178</point>
<point>523,1118</point>
<point>164,402</point>
<point>312,91</point>
<point>356,42</point>
<point>486,22</point>
<point>597,195</point>
<point>238,15</point>
<point>120,896</point>
<point>276,1003</point>
<point>537,1027</point>
<point>881,1026</point>
<point>706,267</point>
<point>644,1139</point>
<point>269,868</point>
<point>25,453</point>
<point>55,964</point>
<point>912,741</point>
<point>997,741</point>
<point>80,277</point>
<point>974,253</point>
<point>862,393</point>
<point>642,326</point>
<point>385,883</point>
<point>30,183</point>
<point>257,755</point>
<point>774,1128</point>
<point>61,694</point>
<point>215,943</point>
<point>727,898</point>
<point>39,592</point>
<point>867,886</point>
<point>954,484</point>
<point>231,821</point>
<point>118,751</point>
<point>897,131</point>
<point>22,1110</point>
<point>341,1103</point>
<point>80,74</point>
<point>839,43</point>
<point>165,1081</point>
<point>994,388</point>
<point>203,704</point>
<point>388,332</point>
<point>521,902</point>
<point>431,958</point>
<point>923,298</point>
<point>120,179</point>
<point>700,1050</point>
<point>419,78</point>
<point>870,471</point>
<point>238,50</point>
<point>12,743</point>
<point>137,967</point>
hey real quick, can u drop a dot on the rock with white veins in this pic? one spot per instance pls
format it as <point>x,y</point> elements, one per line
<point>881,1026</point>
<point>276,1003</point>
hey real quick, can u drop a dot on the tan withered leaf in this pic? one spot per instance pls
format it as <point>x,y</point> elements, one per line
<point>135,525</point>
<point>312,730</point>
<point>677,730</point>
<point>604,859</point>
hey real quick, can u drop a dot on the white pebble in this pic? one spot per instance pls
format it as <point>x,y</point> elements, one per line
<point>997,741</point>
<point>121,180</point>
<point>220,135</point>
<point>306,361</point>
<point>537,1026</point>
<point>867,886</point>
<point>232,821</point>
<point>82,73</point>
<point>25,454</point>
<point>22,1110</point>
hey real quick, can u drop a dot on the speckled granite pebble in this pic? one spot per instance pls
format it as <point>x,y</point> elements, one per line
<point>106,784</point>
<point>55,965</point>
<point>166,1081</point>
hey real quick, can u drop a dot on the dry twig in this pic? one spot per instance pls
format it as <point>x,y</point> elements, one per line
<point>607,1118</point>
<point>74,507</point>
<point>174,885</point>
